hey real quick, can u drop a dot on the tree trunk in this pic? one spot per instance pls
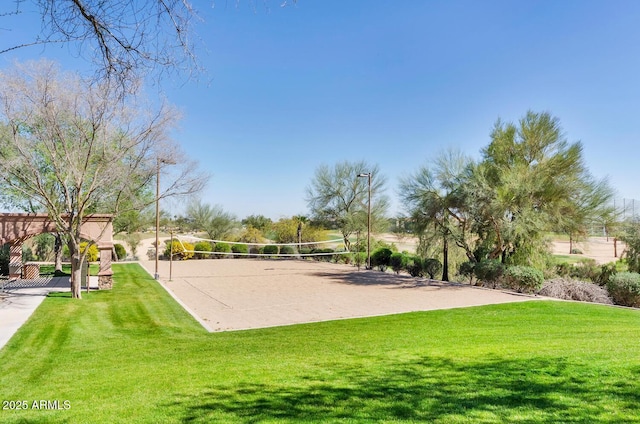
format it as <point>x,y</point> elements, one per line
<point>57,247</point>
<point>76,277</point>
<point>570,244</point>
<point>347,243</point>
<point>445,259</point>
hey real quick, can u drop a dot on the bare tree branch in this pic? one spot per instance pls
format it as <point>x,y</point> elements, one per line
<point>77,147</point>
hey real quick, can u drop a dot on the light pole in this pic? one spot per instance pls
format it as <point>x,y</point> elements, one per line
<point>368,175</point>
<point>158,162</point>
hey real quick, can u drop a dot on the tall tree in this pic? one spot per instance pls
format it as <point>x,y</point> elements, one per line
<point>76,148</point>
<point>531,180</point>
<point>293,230</point>
<point>211,219</point>
<point>259,222</point>
<point>338,197</point>
<point>435,199</point>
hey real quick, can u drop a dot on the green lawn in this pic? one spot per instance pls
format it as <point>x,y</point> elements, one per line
<point>133,355</point>
<point>49,269</point>
<point>567,258</point>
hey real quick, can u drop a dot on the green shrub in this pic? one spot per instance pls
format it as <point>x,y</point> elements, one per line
<point>414,266</point>
<point>431,266</point>
<point>27,254</point>
<point>381,258</point>
<point>287,250</point>
<point>180,250</point>
<point>325,256</point>
<point>242,249</point>
<point>524,278</point>
<point>563,269</point>
<point>586,269</point>
<point>467,269</point>
<point>489,270</point>
<point>223,250</point>
<point>222,247</point>
<point>359,258</point>
<point>201,248</point>
<point>270,249</point>
<point>606,272</point>
<point>305,251</point>
<point>624,289</point>
<point>121,252</point>
<point>344,258</point>
<point>398,262</point>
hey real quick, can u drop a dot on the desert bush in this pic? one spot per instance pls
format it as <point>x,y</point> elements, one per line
<point>223,249</point>
<point>201,248</point>
<point>414,266</point>
<point>624,289</point>
<point>606,272</point>
<point>121,252</point>
<point>489,270</point>
<point>381,258</point>
<point>381,244</point>
<point>359,258</point>
<point>431,266</point>
<point>563,269</point>
<point>561,288</point>
<point>523,278</point>
<point>92,253</point>
<point>270,249</point>
<point>27,254</point>
<point>287,250</point>
<point>182,250</point>
<point>239,248</point>
<point>325,257</point>
<point>467,269</point>
<point>586,269</point>
<point>398,262</point>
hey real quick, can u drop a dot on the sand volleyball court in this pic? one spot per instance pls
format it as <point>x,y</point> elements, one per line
<point>237,294</point>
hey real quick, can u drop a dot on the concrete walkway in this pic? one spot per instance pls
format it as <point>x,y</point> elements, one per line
<point>20,298</point>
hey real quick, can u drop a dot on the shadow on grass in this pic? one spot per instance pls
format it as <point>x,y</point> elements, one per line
<point>428,390</point>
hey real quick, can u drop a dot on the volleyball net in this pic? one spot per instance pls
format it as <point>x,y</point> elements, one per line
<point>202,247</point>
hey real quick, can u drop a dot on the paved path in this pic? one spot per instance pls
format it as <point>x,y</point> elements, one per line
<point>19,299</point>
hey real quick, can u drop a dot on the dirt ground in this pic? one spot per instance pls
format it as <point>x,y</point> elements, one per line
<point>602,249</point>
<point>236,294</point>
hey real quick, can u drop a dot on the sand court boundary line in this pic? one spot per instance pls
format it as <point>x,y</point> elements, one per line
<point>242,294</point>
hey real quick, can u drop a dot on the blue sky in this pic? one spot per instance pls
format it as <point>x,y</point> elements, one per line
<point>394,83</point>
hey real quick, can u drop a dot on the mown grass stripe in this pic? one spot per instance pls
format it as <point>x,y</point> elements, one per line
<point>134,355</point>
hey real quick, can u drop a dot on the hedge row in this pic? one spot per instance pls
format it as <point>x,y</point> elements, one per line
<point>623,288</point>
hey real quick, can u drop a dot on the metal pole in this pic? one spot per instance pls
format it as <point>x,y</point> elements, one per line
<point>156,275</point>
<point>368,175</point>
<point>171,257</point>
<point>369,226</point>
